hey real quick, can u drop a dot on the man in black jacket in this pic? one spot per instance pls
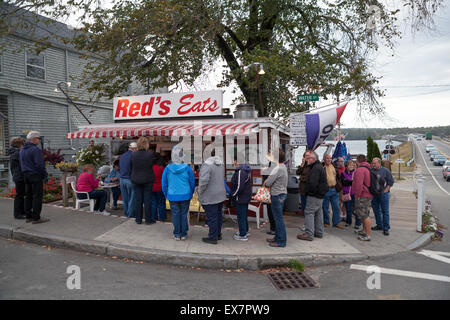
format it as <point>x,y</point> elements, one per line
<point>316,188</point>
<point>17,175</point>
<point>33,169</point>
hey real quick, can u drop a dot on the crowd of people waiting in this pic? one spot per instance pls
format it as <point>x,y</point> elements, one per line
<point>145,181</point>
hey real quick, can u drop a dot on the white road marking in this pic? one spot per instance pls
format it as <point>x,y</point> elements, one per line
<point>437,255</point>
<point>402,273</point>
<point>432,175</point>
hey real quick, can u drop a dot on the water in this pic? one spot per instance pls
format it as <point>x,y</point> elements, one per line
<point>354,147</point>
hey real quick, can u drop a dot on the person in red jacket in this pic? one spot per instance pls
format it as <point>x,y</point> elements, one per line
<point>89,184</point>
<point>158,199</point>
<point>363,198</point>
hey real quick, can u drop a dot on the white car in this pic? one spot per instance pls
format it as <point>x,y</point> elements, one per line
<point>429,147</point>
<point>446,165</point>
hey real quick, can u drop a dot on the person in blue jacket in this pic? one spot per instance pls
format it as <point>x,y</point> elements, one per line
<point>34,172</point>
<point>241,192</point>
<point>178,186</point>
<point>126,186</point>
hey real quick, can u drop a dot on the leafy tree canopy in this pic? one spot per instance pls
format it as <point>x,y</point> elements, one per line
<point>304,45</point>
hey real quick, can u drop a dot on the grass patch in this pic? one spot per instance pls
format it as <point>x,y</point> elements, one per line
<point>296,265</point>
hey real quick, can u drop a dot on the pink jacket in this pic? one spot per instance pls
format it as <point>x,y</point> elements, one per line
<point>361,181</point>
<point>86,182</point>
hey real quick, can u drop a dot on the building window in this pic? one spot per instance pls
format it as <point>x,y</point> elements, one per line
<point>1,64</point>
<point>35,66</point>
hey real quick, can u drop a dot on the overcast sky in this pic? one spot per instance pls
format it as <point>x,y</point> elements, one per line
<point>420,60</point>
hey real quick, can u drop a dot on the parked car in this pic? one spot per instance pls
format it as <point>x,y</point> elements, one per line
<point>446,174</point>
<point>434,153</point>
<point>446,165</point>
<point>439,160</point>
<point>429,147</point>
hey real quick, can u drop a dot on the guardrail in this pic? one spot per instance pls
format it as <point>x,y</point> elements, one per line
<point>413,152</point>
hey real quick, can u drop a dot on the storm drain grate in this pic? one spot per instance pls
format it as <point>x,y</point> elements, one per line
<point>291,280</point>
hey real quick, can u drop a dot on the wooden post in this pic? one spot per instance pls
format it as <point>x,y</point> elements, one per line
<point>65,194</point>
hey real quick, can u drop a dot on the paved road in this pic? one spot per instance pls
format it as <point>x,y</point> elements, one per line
<point>428,167</point>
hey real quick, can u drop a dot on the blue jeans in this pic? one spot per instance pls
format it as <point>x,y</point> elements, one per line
<point>180,210</point>
<point>380,206</point>
<point>100,197</point>
<point>126,187</point>
<point>142,196</point>
<point>214,219</point>
<point>241,212</point>
<point>158,206</point>
<point>303,203</point>
<point>333,197</point>
<point>115,194</point>
<point>349,205</point>
<point>277,211</point>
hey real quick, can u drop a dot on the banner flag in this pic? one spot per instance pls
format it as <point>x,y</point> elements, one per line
<point>312,129</point>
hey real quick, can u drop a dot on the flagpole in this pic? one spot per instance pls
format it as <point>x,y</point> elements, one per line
<point>338,126</point>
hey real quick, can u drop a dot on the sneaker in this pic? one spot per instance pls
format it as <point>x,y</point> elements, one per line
<point>318,236</point>
<point>105,213</point>
<point>21,217</point>
<point>304,236</point>
<point>272,233</point>
<point>386,232</point>
<point>150,222</point>
<point>339,226</point>
<point>326,225</point>
<point>41,220</point>
<point>208,240</point>
<point>238,237</point>
<point>219,237</point>
<point>377,228</point>
<point>247,235</point>
<point>364,237</point>
<point>357,227</point>
<point>177,238</point>
<point>360,232</point>
<point>184,238</point>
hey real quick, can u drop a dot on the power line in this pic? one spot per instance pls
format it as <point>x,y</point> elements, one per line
<point>417,86</point>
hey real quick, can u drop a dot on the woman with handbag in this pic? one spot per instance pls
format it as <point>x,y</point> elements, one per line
<point>347,193</point>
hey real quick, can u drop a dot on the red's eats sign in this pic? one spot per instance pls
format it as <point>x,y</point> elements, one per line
<point>186,104</point>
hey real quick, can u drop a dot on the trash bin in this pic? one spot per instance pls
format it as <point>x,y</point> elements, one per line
<point>293,197</point>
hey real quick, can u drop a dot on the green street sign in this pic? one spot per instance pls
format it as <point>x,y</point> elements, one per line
<point>307,97</point>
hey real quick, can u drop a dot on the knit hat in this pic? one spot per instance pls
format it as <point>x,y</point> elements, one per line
<point>33,134</point>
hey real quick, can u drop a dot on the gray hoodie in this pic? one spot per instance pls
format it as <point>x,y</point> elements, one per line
<point>211,188</point>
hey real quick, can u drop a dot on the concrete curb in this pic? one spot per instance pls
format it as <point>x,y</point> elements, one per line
<point>424,240</point>
<point>208,261</point>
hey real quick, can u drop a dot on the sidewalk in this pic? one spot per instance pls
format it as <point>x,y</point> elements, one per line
<point>122,237</point>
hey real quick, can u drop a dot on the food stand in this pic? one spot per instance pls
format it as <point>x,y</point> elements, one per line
<point>198,122</point>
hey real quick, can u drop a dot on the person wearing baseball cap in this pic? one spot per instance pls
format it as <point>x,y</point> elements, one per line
<point>34,172</point>
<point>126,186</point>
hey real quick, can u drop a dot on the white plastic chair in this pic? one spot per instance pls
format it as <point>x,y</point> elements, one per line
<point>73,180</point>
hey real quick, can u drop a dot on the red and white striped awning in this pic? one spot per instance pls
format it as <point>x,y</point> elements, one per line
<point>160,129</point>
